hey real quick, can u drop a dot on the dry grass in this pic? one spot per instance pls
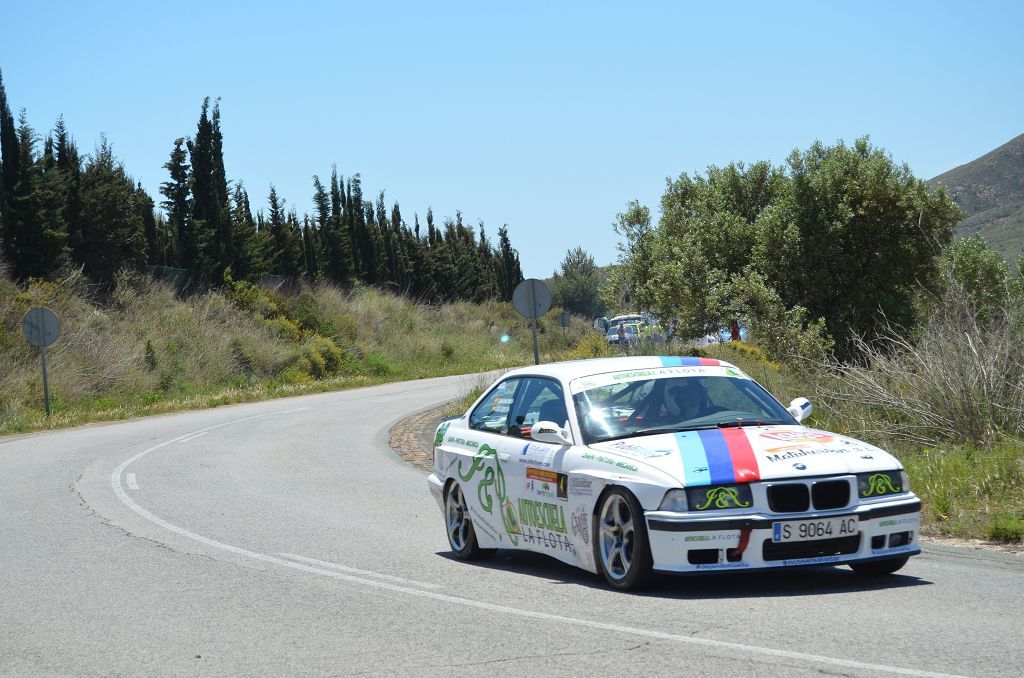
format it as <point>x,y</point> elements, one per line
<point>144,350</point>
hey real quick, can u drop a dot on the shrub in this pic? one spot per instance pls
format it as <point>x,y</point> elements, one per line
<point>961,380</point>
<point>1005,527</point>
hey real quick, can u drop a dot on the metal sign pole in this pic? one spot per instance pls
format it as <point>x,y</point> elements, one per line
<point>46,382</point>
<point>533,325</point>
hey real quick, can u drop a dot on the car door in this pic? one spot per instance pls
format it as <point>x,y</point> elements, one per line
<point>536,479</point>
<point>483,467</point>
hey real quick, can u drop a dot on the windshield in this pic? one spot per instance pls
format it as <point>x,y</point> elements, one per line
<point>719,397</point>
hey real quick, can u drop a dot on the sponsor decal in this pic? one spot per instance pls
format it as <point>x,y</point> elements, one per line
<point>538,454</point>
<point>491,487</point>
<point>722,498</point>
<point>542,515</point>
<point>798,436</point>
<point>543,524</point>
<point>725,536</point>
<point>472,444</point>
<point>792,454</point>
<point>610,461</point>
<point>482,524</point>
<point>441,431</point>
<point>722,566</point>
<point>717,456</point>
<point>547,483</point>
<point>878,484</point>
<point>688,361</point>
<point>811,561</point>
<point>896,549</point>
<point>549,540</point>
<point>631,450</point>
<point>580,486</point>
<point>909,520</point>
<point>580,521</point>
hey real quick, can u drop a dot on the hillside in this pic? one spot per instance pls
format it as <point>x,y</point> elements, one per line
<point>991,191</point>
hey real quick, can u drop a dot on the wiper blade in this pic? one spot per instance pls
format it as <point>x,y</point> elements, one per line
<point>739,423</point>
<point>669,429</point>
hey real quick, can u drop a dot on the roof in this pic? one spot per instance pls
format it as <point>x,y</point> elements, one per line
<point>574,369</point>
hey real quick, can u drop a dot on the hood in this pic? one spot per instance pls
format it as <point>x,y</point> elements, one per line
<point>743,455</point>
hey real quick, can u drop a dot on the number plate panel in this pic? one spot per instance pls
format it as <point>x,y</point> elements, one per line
<point>814,529</point>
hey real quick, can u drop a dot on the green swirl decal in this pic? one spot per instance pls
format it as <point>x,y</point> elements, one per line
<point>723,497</point>
<point>492,479</point>
<point>880,483</point>
<point>439,436</point>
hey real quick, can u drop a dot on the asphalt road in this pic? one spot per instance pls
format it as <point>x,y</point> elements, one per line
<point>285,538</point>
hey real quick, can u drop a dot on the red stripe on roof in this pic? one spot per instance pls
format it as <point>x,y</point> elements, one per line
<point>710,362</point>
<point>744,463</point>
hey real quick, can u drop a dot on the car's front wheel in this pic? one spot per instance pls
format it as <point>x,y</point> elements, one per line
<point>621,549</point>
<point>461,535</point>
<point>874,568</point>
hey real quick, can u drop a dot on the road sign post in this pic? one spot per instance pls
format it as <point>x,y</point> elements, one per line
<point>42,327</point>
<point>532,299</point>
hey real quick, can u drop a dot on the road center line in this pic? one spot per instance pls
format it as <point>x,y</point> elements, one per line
<point>115,481</point>
<point>365,573</point>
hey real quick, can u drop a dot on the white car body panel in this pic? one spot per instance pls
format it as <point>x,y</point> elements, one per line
<point>542,497</point>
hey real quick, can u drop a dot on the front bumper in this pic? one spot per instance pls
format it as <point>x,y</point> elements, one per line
<point>436,489</point>
<point>684,544</point>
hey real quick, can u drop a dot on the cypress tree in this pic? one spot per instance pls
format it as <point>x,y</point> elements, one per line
<point>112,230</point>
<point>338,243</point>
<point>10,168</point>
<point>70,165</point>
<point>177,192</point>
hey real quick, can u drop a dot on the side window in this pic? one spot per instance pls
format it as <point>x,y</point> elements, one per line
<point>537,400</point>
<point>492,413</point>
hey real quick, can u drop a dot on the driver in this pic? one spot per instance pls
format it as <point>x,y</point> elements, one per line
<point>686,398</point>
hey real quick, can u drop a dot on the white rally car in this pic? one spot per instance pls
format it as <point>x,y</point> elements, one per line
<point>625,466</point>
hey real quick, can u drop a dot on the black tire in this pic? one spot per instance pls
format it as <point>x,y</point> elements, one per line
<point>622,551</point>
<point>877,568</point>
<point>459,527</point>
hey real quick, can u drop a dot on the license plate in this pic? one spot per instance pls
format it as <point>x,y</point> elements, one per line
<point>810,530</point>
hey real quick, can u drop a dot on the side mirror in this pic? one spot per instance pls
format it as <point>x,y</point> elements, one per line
<point>550,432</point>
<point>601,324</point>
<point>800,408</point>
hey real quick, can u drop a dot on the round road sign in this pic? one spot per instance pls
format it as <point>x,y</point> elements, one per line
<point>531,298</point>
<point>42,327</point>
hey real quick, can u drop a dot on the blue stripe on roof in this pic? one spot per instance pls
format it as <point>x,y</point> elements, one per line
<point>679,361</point>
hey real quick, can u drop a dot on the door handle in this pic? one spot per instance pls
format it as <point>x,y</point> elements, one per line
<point>502,456</point>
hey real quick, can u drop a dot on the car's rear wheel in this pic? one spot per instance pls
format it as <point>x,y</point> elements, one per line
<point>875,568</point>
<point>461,535</point>
<point>621,548</point>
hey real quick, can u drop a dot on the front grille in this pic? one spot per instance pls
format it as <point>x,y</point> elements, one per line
<point>789,498</point>
<point>831,494</point>
<point>811,549</point>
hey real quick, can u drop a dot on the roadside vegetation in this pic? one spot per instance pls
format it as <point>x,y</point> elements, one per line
<point>146,350</point>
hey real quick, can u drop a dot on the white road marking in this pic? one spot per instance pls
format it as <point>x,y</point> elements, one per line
<point>115,481</point>
<point>192,437</point>
<point>132,484</point>
<point>353,570</point>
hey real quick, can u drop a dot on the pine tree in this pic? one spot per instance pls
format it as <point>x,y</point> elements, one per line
<point>210,212</point>
<point>155,244</point>
<point>252,260</point>
<point>510,273</point>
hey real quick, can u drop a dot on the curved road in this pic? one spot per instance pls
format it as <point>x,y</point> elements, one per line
<point>285,538</point>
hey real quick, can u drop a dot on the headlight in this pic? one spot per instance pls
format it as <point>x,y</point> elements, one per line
<point>675,500</point>
<point>906,481</point>
<point>880,484</point>
<point>717,497</point>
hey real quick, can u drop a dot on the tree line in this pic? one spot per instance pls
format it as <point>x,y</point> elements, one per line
<point>59,209</point>
<point>828,249</point>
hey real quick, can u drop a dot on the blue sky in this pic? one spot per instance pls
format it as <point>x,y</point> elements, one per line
<point>546,116</point>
